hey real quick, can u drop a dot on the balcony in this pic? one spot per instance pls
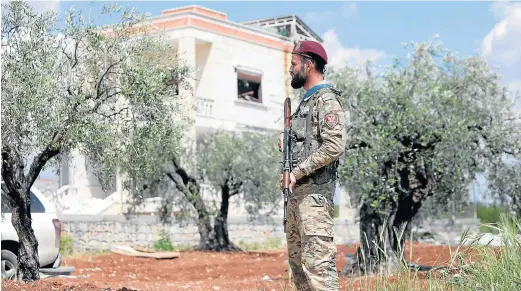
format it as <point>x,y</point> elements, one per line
<point>204,107</point>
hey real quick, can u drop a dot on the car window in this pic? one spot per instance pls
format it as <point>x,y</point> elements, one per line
<point>36,204</point>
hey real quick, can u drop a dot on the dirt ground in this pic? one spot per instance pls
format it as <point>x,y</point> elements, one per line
<point>258,270</point>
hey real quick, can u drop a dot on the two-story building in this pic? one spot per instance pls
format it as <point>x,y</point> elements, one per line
<point>241,78</point>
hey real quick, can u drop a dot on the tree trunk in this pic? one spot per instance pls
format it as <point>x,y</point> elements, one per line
<point>376,253</point>
<point>28,261</point>
<point>221,223</point>
<point>17,186</point>
<point>206,236</point>
<point>210,238</point>
<point>188,185</point>
<point>382,238</point>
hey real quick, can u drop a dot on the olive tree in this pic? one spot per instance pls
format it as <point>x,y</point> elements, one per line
<point>78,87</point>
<point>422,129</point>
<point>202,183</point>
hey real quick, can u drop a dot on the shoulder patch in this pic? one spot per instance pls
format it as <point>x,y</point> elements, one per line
<point>331,120</point>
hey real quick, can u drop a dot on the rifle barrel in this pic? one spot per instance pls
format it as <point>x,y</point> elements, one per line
<point>287,162</point>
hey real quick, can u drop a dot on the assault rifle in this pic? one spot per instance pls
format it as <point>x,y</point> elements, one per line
<point>287,163</point>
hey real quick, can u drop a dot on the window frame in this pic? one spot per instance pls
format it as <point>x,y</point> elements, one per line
<point>248,74</point>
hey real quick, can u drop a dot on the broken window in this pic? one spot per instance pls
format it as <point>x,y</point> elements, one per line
<point>249,87</point>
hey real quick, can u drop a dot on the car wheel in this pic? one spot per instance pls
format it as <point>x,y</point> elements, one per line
<point>9,265</point>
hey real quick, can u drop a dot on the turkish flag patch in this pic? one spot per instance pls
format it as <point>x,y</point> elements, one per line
<point>331,120</point>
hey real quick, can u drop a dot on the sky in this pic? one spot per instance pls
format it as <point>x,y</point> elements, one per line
<point>357,31</point>
<point>354,32</point>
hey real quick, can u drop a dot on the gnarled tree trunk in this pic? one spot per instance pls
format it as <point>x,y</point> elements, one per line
<point>382,238</point>
<point>221,223</point>
<point>28,260</point>
<point>210,238</point>
<point>17,188</point>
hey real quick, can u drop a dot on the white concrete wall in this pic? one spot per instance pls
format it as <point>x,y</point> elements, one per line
<point>216,59</point>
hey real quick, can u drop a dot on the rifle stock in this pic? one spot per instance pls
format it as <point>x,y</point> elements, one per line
<point>287,164</point>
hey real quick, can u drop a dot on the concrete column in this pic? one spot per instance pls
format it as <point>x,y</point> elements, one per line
<point>187,51</point>
<point>78,175</point>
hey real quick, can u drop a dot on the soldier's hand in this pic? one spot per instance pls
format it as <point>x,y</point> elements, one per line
<point>292,182</point>
<point>281,140</point>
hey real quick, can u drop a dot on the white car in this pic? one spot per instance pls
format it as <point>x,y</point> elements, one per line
<point>46,227</point>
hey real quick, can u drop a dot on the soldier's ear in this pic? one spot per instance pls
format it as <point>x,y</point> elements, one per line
<point>308,64</point>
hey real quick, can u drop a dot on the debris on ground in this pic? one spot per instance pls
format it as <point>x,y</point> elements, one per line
<point>133,252</point>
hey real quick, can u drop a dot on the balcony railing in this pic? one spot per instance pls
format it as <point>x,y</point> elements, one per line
<point>204,107</point>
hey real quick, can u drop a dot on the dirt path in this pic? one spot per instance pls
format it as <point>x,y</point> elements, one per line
<point>196,271</point>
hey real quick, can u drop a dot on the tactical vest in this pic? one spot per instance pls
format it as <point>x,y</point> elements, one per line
<point>307,139</point>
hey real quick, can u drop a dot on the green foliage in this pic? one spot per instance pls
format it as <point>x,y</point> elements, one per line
<point>229,166</point>
<point>489,214</point>
<point>163,243</point>
<point>246,164</point>
<point>424,127</point>
<point>497,268</point>
<point>506,186</point>
<point>66,244</point>
<point>475,267</point>
<point>103,92</point>
<point>269,243</point>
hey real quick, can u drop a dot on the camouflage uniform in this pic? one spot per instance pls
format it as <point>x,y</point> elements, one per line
<point>310,230</point>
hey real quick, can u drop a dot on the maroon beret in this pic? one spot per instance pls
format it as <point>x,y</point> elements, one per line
<point>308,47</point>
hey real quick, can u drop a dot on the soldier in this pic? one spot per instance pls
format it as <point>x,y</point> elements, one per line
<point>319,131</point>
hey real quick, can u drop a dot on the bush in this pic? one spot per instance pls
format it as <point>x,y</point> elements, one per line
<point>66,244</point>
<point>489,214</point>
<point>164,243</point>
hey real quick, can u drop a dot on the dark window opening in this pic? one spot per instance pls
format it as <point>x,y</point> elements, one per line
<point>173,82</point>
<point>249,87</point>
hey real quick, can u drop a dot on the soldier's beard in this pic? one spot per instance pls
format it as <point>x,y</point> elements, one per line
<point>298,80</point>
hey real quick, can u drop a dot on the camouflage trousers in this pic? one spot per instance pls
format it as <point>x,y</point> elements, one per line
<point>311,248</point>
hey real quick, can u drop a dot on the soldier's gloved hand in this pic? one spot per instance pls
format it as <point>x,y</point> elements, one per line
<point>281,140</point>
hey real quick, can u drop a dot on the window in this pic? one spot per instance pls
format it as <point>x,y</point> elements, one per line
<point>249,86</point>
<point>36,204</point>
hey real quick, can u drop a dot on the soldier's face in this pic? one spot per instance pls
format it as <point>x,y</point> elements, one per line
<point>298,72</point>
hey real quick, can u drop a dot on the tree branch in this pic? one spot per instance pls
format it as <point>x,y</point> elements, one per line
<point>12,168</point>
<point>98,86</point>
<point>235,188</point>
<point>178,181</point>
<point>52,149</point>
